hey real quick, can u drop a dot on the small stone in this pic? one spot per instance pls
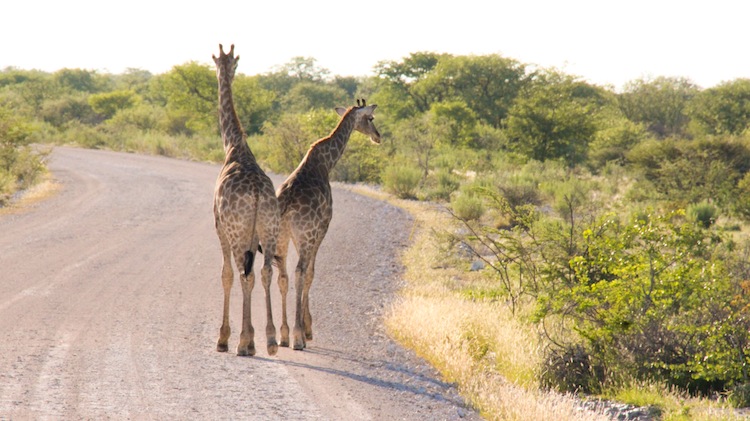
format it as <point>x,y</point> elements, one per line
<point>477,265</point>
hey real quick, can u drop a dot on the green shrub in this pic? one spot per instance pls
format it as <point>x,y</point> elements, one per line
<point>441,185</point>
<point>570,369</point>
<point>649,299</point>
<point>84,136</point>
<point>742,200</point>
<point>739,396</point>
<point>703,213</point>
<point>467,206</point>
<point>401,181</point>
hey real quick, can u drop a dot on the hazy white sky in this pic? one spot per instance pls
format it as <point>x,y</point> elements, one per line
<point>605,42</point>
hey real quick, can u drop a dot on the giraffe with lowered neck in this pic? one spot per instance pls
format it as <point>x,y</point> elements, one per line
<point>246,213</point>
<point>306,208</point>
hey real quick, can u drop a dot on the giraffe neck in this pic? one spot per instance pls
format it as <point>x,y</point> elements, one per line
<point>235,146</point>
<point>324,153</point>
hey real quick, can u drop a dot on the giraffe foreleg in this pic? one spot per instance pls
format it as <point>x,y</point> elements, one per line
<point>309,274</point>
<point>282,248</point>
<point>284,289</point>
<point>266,275</point>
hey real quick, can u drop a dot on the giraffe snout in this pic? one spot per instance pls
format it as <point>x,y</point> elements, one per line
<point>375,137</point>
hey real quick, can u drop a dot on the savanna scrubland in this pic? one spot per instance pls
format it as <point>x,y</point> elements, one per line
<point>570,237</point>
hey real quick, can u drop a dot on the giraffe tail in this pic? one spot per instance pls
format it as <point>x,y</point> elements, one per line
<point>249,261</point>
<point>250,254</point>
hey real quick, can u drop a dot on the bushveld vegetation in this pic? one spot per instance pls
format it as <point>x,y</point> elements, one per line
<point>611,225</point>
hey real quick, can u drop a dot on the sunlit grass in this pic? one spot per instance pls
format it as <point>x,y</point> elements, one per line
<point>671,404</point>
<point>44,189</point>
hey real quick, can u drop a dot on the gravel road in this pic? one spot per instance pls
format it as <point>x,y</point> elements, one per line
<point>110,305</point>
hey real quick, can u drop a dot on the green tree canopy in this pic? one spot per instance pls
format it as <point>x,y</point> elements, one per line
<point>306,96</point>
<point>660,104</point>
<point>109,103</point>
<point>724,109</point>
<point>556,117</point>
<point>81,80</point>
<point>190,94</point>
<point>487,84</point>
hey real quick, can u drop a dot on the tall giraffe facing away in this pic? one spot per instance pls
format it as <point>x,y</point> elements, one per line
<point>306,209</point>
<point>246,212</point>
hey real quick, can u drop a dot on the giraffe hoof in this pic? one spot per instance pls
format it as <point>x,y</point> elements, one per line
<point>284,336</point>
<point>299,345</point>
<point>246,352</point>
<point>308,336</point>
<point>222,347</point>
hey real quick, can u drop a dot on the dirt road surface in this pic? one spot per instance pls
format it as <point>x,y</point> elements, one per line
<point>110,305</point>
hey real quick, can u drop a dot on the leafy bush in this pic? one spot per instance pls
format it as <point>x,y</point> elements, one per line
<point>703,213</point>
<point>467,206</point>
<point>401,181</point>
<point>742,201</point>
<point>440,185</point>
<point>571,369</point>
<point>689,172</point>
<point>20,165</point>
<point>362,161</point>
<point>650,302</point>
<point>739,396</point>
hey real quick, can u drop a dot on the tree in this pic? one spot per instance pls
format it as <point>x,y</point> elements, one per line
<point>190,94</point>
<point>487,84</point>
<point>81,80</point>
<point>109,103</point>
<point>459,120</point>
<point>71,107</point>
<point>419,137</point>
<point>20,166</point>
<point>690,172</point>
<point>306,96</point>
<point>133,79</point>
<point>285,142</point>
<point>31,89</point>
<point>304,69</point>
<point>724,109</point>
<point>253,103</point>
<point>661,104</point>
<point>556,117</point>
<point>397,81</point>
<point>614,140</point>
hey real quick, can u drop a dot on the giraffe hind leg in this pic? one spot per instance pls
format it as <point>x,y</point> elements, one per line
<point>246,346</point>
<point>227,277</point>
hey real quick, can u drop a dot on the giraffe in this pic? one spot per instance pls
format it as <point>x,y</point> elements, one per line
<point>246,213</point>
<point>306,208</point>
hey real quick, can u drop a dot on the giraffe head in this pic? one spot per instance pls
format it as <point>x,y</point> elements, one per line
<point>363,119</point>
<point>226,64</point>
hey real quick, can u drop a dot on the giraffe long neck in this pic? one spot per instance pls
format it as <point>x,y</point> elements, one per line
<point>324,153</point>
<point>235,146</point>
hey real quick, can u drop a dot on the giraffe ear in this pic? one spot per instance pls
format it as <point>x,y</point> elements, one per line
<point>341,111</point>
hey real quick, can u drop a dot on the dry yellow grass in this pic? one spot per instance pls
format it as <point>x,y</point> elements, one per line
<point>40,191</point>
